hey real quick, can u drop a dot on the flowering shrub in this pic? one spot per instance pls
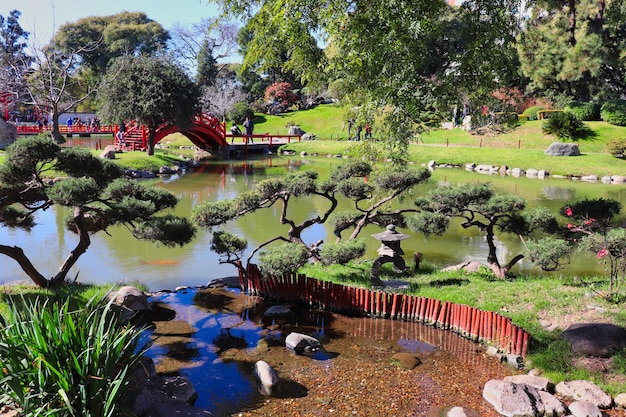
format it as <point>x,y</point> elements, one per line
<point>591,226</point>
<point>282,94</point>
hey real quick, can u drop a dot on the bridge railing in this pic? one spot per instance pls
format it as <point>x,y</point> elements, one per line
<point>263,137</point>
<point>35,130</point>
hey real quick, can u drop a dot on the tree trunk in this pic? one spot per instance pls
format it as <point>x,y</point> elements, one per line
<point>83,243</point>
<point>18,255</point>
<point>150,141</point>
<point>56,134</point>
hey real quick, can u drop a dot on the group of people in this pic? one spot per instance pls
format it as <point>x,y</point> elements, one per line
<point>248,126</point>
<point>358,131</point>
<point>92,124</point>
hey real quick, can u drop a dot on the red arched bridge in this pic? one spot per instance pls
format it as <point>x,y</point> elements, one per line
<point>206,132</point>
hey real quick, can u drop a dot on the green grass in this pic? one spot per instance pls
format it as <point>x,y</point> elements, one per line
<point>326,122</point>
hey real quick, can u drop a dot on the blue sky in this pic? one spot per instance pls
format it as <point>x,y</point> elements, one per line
<point>43,17</point>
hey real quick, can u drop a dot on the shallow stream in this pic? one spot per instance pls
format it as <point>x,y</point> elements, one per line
<point>218,335</point>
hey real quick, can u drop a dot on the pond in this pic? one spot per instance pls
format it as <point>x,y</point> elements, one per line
<point>218,335</point>
<point>118,257</point>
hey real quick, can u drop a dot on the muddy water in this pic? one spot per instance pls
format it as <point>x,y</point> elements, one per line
<point>218,335</point>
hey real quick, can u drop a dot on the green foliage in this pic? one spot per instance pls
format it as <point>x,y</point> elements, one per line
<point>167,230</point>
<point>616,147</point>
<point>584,111</point>
<point>549,254</point>
<point>95,191</point>
<point>125,33</point>
<point>614,112</point>
<point>240,112</point>
<point>531,112</point>
<point>63,362</point>
<point>592,228</point>
<point>162,92</point>
<point>564,125</point>
<point>429,223</point>
<point>342,252</point>
<point>283,259</point>
<point>601,210</point>
<point>227,243</point>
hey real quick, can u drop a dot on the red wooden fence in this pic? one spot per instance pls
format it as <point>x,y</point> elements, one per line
<point>469,322</point>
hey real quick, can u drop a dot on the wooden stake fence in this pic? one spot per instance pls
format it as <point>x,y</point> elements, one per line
<point>469,322</point>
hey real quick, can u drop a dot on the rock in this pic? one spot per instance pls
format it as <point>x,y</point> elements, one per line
<point>302,344</point>
<point>406,361</point>
<point>595,339</point>
<point>531,173</point>
<point>618,179</point>
<point>308,136</point>
<point>295,130</point>
<point>584,409</point>
<point>267,378</point>
<point>108,152</point>
<point>516,172</point>
<point>539,382</point>
<point>515,361</point>
<point>470,167</point>
<point>470,266</point>
<point>132,301</point>
<point>278,311</point>
<point>503,170</point>
<point>620,400</point>
<point>166,397</point>
<point>431,164</point>
<point>452,412</point>
<point>513,400</point>
<point>553,406</point>
<point>8,134</point>
<point>585,391</point>
<point>589,178</point>
<point>563,149</point>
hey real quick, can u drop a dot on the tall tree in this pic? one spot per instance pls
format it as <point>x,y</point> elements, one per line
<point>151,90</point>
<point>55,83</point>
<point>15,62</point>
<point>93,188</point>
<point>575,48</point>
<point>125,33</point>
<point>408,58</point>
<point>188,40</point>
<point>207,66</point>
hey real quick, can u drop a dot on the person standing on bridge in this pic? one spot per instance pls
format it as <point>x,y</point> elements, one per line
<point>249,126</point>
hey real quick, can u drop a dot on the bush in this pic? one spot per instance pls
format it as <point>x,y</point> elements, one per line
<point>617,147</point>
<point>584,111</point>
<point>564,125</point>
<point>63,362</point>
<point>614,112</point>
<point>342,252</point>
<point>240,112</point>
<point>531,112</point>
<point>283,259</point>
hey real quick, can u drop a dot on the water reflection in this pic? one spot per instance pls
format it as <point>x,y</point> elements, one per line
<point>218,335</point>
<point>118,257</point>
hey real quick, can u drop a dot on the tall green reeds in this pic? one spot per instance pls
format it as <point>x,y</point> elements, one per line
<point>57,361</point>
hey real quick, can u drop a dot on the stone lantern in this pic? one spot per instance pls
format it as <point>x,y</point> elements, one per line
<point>389,251</point>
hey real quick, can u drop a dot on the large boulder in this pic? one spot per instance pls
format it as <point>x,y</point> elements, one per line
<point>563,149</point>
<point>8,134</point>
<point>513,400</point>
<point>581,390</point>
<point>302,344</point>
<point>595,339</point>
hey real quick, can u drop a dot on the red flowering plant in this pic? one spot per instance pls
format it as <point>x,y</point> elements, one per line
<point>593,227</point>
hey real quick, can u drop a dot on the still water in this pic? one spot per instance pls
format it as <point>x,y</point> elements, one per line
<point>118,257</point>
